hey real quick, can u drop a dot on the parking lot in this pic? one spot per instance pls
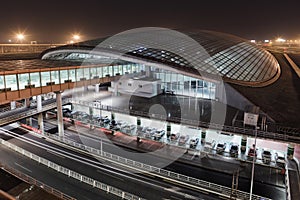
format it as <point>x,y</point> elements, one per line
<point>216,142</point>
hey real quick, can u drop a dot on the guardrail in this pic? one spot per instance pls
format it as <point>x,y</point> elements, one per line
<point>287,183</point>
<point>39,184</point>
<point>94,183</point>
<point>203,185</point>
<point>194,123</point>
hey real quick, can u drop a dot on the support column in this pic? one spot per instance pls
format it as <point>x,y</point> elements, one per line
<point>60,121</point>
<point>41,123</point>
<point>97,88</point>
<point>138,127</point>
<point>40,116</point>
<point>39,103</point>
<point>290,151</point>
<point>168,130</point>
<point>13,105</point>
<point>203,136</point>
<point>244,144</point>
<point>26,102</point>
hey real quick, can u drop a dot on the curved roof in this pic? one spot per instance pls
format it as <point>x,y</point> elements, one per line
<point>234,59</point>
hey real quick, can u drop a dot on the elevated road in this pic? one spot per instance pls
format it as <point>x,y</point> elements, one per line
<point>148,188</point>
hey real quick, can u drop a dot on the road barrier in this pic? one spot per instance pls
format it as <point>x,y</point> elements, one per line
<point>200,184</point>
<point>94,183</point>
<point>39,184</point>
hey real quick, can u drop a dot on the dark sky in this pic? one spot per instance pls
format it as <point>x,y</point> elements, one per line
<point>56,20</point>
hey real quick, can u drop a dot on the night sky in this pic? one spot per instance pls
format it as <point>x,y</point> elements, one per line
<point>55,20</point>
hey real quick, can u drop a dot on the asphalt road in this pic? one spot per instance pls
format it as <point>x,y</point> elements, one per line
<point>268,182</point>
<point>148,188</point>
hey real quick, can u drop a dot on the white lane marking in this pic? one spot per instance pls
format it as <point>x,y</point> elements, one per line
<point>56,154</point>
<point>23,167</point>
<point>111,175</point>
<point>175,197</point>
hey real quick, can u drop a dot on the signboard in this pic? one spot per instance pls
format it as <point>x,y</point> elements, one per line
<point>250,119</point>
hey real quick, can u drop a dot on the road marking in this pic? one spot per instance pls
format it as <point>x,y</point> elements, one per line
<point>175,197</point>
<point>56,154</point>
<point>23,167</point>
<point>110,175</point>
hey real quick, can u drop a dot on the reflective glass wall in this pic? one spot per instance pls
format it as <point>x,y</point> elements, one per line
<point>37,79</point>
<point>185,85</point>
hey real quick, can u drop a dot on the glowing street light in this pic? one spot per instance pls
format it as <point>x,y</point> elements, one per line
<point>76,37</point>
<point>280,40</point>
<point>20,37</point>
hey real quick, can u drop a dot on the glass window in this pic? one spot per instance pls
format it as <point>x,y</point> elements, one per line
<point>87,73</point>
<point>116,69</point>
<point>121,69</point>
<point>168,77</point>
<point>2,86</point>
<point>94,73</point>
<point>23,80</point>
<point>55,77</point>
<point>63,76</point>
<point>11,82</point>
<point>72,75</point>
<point>79,74</point>
<point>45,78</point>
<point>110,70</point>
<point>105,71</point>
<point>35,79</point>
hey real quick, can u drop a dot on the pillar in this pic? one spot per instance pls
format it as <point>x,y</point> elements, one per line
<point>39,103</point>
<point>40,116</point>
<point>290,151</point>
<point>13,105</point>
<point>26,102</point>
<point>168,130</point>
<point>97,88</point>
<point>243,144</point>
<point>203,136</point>
<point>60,121</point>
<point>41,122</point>
<point>148,71</point>
<point>138,125</point>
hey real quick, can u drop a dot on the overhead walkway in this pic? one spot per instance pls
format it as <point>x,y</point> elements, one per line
<point>22,113</point>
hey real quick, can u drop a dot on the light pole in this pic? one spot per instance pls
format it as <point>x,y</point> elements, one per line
<point>253,164</point>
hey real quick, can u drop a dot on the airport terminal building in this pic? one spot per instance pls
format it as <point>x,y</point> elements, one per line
<point>151,61</point>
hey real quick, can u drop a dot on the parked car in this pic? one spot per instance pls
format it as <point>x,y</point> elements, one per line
<point>149,132</point>
<point>266,156</point>
<point>221,147</point>
<point>194,142</point>
<point>280,159</point>
<point>158,134</point>
<point>174,136</point>
<point>183,139</point>
<point>234,150</point>
<point>252,152</point>
<point>208,146</point>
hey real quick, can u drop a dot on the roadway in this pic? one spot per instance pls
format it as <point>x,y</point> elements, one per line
<point>140,185</point>
<point>268,182</point>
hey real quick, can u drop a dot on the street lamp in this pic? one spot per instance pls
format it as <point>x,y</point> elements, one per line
<point>20,37</point>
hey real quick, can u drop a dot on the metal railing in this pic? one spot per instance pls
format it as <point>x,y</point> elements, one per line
<point>196,123</point>
<point>94,183</point>
<point>191,181</point>
<point>39,184</point>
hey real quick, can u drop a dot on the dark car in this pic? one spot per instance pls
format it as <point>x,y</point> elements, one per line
<point>234,150</point>
<point>194,142</point>
<point>221,147</point>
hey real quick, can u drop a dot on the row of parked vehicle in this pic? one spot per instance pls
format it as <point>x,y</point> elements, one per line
<point>181,140</point>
